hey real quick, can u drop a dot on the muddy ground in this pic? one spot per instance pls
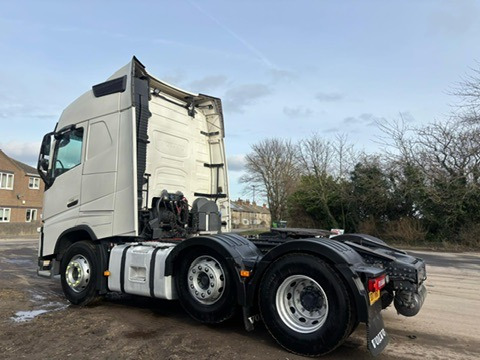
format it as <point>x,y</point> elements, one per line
<point>36,322</point>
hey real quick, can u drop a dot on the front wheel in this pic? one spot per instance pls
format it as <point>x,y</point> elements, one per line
<point>79,273</point>
<point>205,286</point>
<point>305,305</point>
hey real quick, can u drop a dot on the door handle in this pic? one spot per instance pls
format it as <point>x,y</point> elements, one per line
<point>72,203</point>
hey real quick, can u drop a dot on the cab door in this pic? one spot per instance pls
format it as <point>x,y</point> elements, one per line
<point>65,170</point>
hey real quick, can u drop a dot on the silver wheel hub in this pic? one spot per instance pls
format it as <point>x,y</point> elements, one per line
<point>302,304</point>
<point>206,280</point>
<point>77,273</point>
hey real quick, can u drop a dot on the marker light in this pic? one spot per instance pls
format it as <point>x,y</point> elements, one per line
<point>245,273</point>
<point>377,283</point>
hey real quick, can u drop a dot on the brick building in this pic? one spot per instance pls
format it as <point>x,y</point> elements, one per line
<point>21,195</point>
<point>249,215</point>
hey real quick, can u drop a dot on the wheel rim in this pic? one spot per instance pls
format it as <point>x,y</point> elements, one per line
<point>302,304</point>
<point>77,273</point>
<point>206,280</point>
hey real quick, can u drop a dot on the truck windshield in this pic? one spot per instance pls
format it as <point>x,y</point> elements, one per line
<point>68,152</point>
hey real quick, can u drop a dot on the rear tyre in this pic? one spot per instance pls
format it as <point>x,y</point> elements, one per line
<point>205,286</point>
<point>79,273</point>
<point>305,305</point>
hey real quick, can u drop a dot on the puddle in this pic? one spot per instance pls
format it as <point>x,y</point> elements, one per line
<point>18,261</point>
<point>55,305</point>
<point>24,316</point>
<point>37,297</point>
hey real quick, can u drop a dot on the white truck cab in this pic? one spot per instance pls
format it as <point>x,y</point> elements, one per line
<point>122,147</point>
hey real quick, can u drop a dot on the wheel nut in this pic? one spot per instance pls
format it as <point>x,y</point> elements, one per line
<point>212,285</point>
<point>194,271</point>
<point>211,276</point>
<point>191,277</point>
<point>191,286</point>
<point>199,267</point>
<point>206,269</point>
<point>196,292</point>
<point>209,292</point>
<point>203,295</point>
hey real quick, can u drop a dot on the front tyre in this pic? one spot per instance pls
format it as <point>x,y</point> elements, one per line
<point>79,273</point>
<point>305,305</point>
<point>205,286</point>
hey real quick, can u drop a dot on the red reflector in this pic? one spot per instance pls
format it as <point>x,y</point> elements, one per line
<point>377,284</point>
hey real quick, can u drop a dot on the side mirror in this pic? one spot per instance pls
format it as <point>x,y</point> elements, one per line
<point>44,164</point>
<point>43,159</point>
<point>45,148</point>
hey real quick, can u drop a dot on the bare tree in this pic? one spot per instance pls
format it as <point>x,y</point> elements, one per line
<point>272,168</point>
<point>397,141</point>
<point>467,93</point>
<point>446,158</point>
<point>449,149</point>
<point>324,165</point>
<point>319,157</point>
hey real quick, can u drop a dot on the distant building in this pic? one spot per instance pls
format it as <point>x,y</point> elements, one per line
<point>21,193</point>
<point>249,215</point>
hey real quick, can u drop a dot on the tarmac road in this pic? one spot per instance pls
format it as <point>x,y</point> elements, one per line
<point>36,322</point>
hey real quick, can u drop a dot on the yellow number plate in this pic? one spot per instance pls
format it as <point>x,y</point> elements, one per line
<point>374,296</point>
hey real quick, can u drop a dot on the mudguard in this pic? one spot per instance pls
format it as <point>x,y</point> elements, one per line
<point>239,252</point>
<point>350,265</point>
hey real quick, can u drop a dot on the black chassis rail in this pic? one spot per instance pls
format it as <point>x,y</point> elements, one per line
<point>405,272</point>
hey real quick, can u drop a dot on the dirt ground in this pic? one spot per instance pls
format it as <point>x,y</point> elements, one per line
<point>36,322</point>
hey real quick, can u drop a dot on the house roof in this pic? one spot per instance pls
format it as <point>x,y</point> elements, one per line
<point>235,206</point>
<point>248,207</point>
<point>27,169</point>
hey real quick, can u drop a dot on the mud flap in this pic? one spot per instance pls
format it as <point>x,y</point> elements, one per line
<point>377,337</point>
<point>249,318</point>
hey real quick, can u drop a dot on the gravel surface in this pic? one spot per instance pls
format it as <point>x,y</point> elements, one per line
<point>36,322</point>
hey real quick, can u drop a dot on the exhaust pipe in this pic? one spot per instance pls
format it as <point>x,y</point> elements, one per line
<point>409,303</point>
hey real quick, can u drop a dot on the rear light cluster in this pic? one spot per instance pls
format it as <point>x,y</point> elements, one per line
<point>377,283</point>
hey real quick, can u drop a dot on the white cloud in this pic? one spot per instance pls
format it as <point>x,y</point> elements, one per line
<point>331,130</point>
<point>208,83</point>
<point>237,98</point>
<point>297,112</point>
<point>454,17</point>
<point>26,152</point>
<point>365,119</point>
<point>11,107</point>
<point>279,75</point>
<point>329,96</point>
<point>236,162</point>
<point>174,77</point>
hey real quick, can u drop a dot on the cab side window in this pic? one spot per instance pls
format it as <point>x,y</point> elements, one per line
<point>68,152</point>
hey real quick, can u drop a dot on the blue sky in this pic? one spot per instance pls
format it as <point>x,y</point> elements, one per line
<point>282,68</point>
